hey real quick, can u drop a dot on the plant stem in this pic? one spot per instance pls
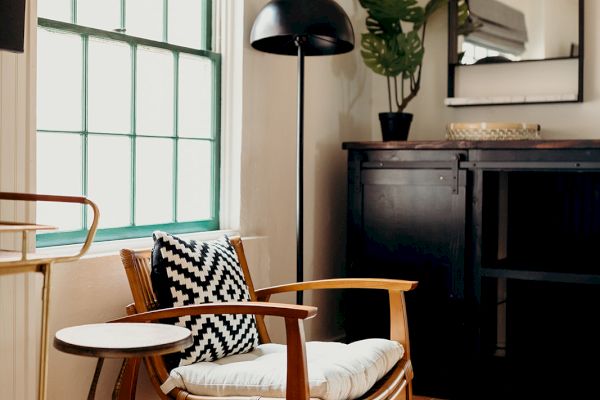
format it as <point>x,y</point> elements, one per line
<point>389,92</point>
<point>415,85</point>
<point>418,84</point>
<point>402,93</point>
<point>396,91</point>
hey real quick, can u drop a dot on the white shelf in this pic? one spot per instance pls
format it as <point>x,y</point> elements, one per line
<point>491,100</point>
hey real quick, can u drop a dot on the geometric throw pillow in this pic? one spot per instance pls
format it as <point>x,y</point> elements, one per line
<point>186,273</point>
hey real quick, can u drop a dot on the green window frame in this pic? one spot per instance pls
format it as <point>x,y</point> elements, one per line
<point>134,230</point>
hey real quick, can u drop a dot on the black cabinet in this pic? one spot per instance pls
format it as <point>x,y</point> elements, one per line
<point>501,237</point>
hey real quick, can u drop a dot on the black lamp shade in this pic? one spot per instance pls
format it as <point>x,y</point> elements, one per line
<point>322,24</point>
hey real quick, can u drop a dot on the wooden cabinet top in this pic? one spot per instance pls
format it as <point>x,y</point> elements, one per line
<point>475,144</point>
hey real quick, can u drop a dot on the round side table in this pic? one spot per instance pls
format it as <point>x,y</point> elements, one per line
<point>121,340</point>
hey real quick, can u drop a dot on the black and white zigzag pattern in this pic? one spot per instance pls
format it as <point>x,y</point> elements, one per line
<point>186,273</point>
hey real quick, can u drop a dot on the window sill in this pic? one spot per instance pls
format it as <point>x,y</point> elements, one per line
<point>112,247</point>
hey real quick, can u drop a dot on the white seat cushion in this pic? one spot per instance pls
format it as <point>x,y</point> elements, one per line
<point>335,370</point>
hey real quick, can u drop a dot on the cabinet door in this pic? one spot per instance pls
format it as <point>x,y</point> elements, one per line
<point>412,226</point>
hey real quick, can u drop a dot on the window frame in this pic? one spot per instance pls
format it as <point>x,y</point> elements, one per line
<point>132,230</point>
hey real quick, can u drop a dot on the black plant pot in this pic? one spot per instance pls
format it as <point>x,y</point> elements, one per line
<point>395,125</point>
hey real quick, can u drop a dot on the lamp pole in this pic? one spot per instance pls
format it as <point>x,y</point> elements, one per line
<point>300,41</point>
<point>302,28</point>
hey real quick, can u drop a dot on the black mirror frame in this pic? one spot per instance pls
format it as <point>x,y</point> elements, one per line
<point>453,57</point>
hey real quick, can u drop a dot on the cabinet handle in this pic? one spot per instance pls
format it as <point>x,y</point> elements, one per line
<point>455,168</point>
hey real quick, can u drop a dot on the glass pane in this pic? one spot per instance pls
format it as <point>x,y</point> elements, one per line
<point>185,23</point>
<point>59,89</point>
<point>59,172</point>
<point>195,96</point>
<point>109,86</point>
<point>155,89</point>
<point>154,181</point>
<point>109,178</point>
<point>59,10</point>
<point>145,18</point>
<point>105,14</point>
<point>194,180</point>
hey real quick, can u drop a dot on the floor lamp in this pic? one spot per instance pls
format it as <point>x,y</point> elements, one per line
<point>302,28</point>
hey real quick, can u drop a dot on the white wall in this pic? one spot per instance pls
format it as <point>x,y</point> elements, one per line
<point>564,14</point>
<point>558,121</point>
<point>19,295</point>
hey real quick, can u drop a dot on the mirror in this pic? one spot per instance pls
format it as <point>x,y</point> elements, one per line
<point>491,40</point>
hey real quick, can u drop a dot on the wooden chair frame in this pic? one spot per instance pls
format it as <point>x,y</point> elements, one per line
<point>397,384</point>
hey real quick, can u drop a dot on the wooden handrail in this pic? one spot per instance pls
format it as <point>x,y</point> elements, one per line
<point>341,283</point>
<point>25,264</point>
<point>57,199</point>
<point>394,287</point>
<point>294,315</point>
<point>238,307</point>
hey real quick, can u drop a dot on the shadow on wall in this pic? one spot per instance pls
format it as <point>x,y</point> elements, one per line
<point>329,232</point>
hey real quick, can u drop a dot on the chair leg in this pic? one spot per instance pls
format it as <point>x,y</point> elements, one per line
<point>126,383</point>
<point>409,392</point>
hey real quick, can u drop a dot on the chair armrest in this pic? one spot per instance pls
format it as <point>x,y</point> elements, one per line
<point>395,288</point>
<point>56,199</point>
<point>297,371</point>
<point>341,283</point>
<point>242,307</point>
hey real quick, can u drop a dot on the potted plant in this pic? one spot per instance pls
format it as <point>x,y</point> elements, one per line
<point>393,47</point>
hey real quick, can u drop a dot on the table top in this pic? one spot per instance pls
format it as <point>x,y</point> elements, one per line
<point>23,226</point>
<point>473,144</point>
<point>117,340</point>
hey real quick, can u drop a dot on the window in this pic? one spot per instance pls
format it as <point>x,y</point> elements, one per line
<point>128,115</point>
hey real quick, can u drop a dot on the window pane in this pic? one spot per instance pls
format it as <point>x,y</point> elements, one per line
<point>109,178</point>
<point>59,172</point>
<point>154,181</point>
<point>109,86</point>
<point>185,23</point>
<point>155,89</point>
<point>59,90</point>
<point>194,180</point>
<point>105,14</point>
<point>195,96</point>
<point>145,18</point>
<point>55,9</point>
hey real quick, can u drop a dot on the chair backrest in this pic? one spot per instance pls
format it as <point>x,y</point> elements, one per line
<point>137,267</point>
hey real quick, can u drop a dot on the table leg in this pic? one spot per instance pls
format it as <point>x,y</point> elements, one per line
<point>43,366</point>
<point>92,392</point>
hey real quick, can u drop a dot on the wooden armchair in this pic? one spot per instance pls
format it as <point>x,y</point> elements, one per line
<point>395,385</point>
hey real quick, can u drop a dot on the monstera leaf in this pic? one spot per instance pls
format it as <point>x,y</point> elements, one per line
<point>392,47</point>
<point>411,50</point>
<point>386,49</point>
<point>384,26</point>
<point>399,10</point>
<point>398,55</point>
<point>378,56</point>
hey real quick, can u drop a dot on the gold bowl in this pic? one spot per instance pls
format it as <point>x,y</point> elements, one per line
<point>492,131</point>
